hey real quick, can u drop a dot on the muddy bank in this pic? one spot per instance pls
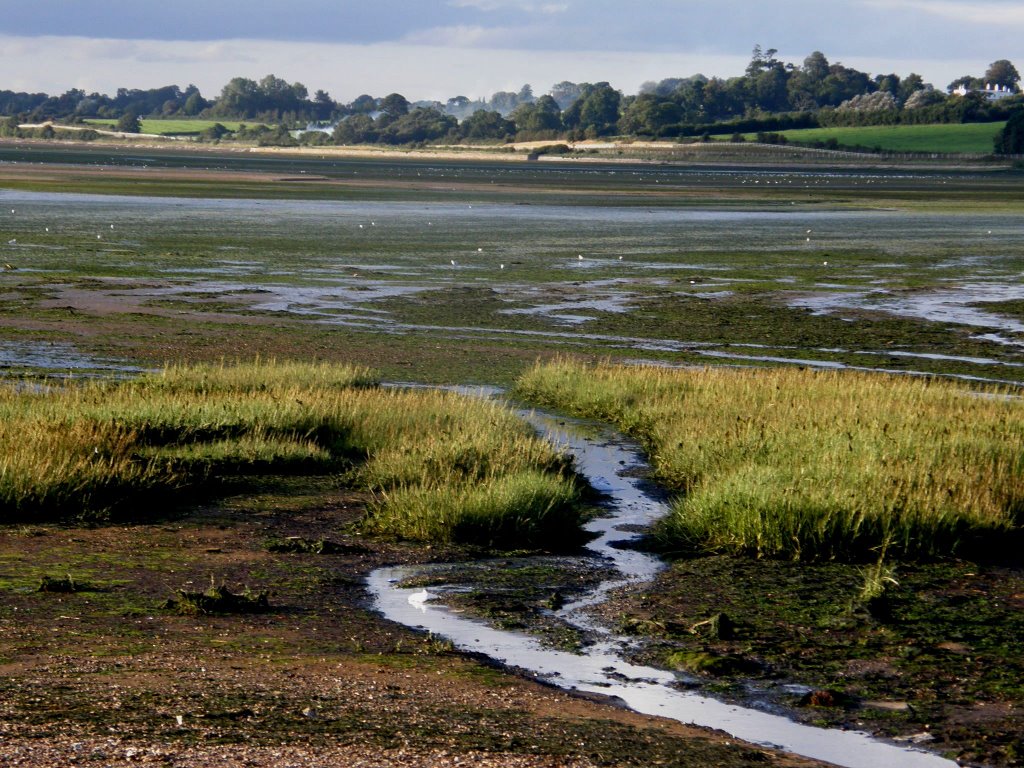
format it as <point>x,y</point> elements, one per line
<point>105,675</point>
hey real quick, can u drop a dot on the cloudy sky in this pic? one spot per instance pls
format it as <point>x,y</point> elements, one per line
<point>435,49</point>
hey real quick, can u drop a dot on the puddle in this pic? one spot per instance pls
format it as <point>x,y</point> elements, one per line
<point>565,311</point>
<point>942,306</point>
<point>611,466</point>
<point>57,360</point>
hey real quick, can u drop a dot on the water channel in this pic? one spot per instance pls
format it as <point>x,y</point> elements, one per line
<point>614,467</point>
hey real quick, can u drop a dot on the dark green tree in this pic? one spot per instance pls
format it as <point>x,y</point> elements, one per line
<point>363,104</point>
<point>1010,140</point>
<point>394,106</point>
<point>420,124</point>
<point>356,129</point>
<point>541,117</point>
<point>566,93</point>
<point>1002,73</point>
<point>649,115</point>
<point>596,112</point>
<point>908,85</point>
<point>129,123</point>
<point>816,67</point>
<point>486,125</point>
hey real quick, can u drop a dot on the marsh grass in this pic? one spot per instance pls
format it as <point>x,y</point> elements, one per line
<point>102,449</point>
<point>808,464</point>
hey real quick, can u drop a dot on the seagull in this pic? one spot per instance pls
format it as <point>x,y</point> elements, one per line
<point>453,262</point>
<point>502,266</point>
<point>580,256</point>
<point>479,250</point>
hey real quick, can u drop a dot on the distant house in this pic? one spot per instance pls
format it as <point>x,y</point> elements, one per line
<point>992,91</point>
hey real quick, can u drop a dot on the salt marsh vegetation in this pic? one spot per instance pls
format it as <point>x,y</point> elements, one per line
<point>812,465</point>
<point>444,467</point>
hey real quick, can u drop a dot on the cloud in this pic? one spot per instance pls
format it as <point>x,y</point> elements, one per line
<point>994,14</point>
<point>490,6</point>
<point>460,36</point>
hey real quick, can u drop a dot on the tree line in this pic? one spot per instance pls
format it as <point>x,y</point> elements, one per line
<point>769,96</point>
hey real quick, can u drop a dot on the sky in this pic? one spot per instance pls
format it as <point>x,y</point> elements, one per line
<point>437,49</point>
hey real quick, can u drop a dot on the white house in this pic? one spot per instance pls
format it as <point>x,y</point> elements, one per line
<point>993,91</point>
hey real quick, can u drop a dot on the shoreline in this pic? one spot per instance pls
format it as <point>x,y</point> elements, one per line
<point>630,152</point>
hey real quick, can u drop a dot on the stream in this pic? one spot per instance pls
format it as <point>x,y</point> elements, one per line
<point>614,467</point>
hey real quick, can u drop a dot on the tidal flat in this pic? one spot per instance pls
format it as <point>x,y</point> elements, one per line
<point>467,272</point>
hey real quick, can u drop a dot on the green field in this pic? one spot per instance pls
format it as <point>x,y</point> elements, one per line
<point>969,138</point>
<point>164,127</point>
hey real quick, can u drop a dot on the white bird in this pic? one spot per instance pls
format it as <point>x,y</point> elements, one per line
<point>419,599</point>
<point>453,262</point>
<point>502,266</point>
<point>824,263</point>
<point>620,258</point>
<point>111,226</point>
<point>580,256</point>
<point>479,250</point>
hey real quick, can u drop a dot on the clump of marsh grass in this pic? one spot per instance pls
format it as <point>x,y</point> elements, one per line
<point>807,464</point>
<point>102,449</point>
<point>63,584</point>
<point>218,599</point>
<point>530,509</point>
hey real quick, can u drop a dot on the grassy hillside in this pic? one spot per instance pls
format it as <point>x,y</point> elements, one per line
<point>168,127</point>
<point>944,138</point>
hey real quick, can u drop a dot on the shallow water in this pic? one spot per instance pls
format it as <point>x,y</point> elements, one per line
<point>612,467</point>
<point>949,305</point>
<point>57,360</point>
<point>386,267</point>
